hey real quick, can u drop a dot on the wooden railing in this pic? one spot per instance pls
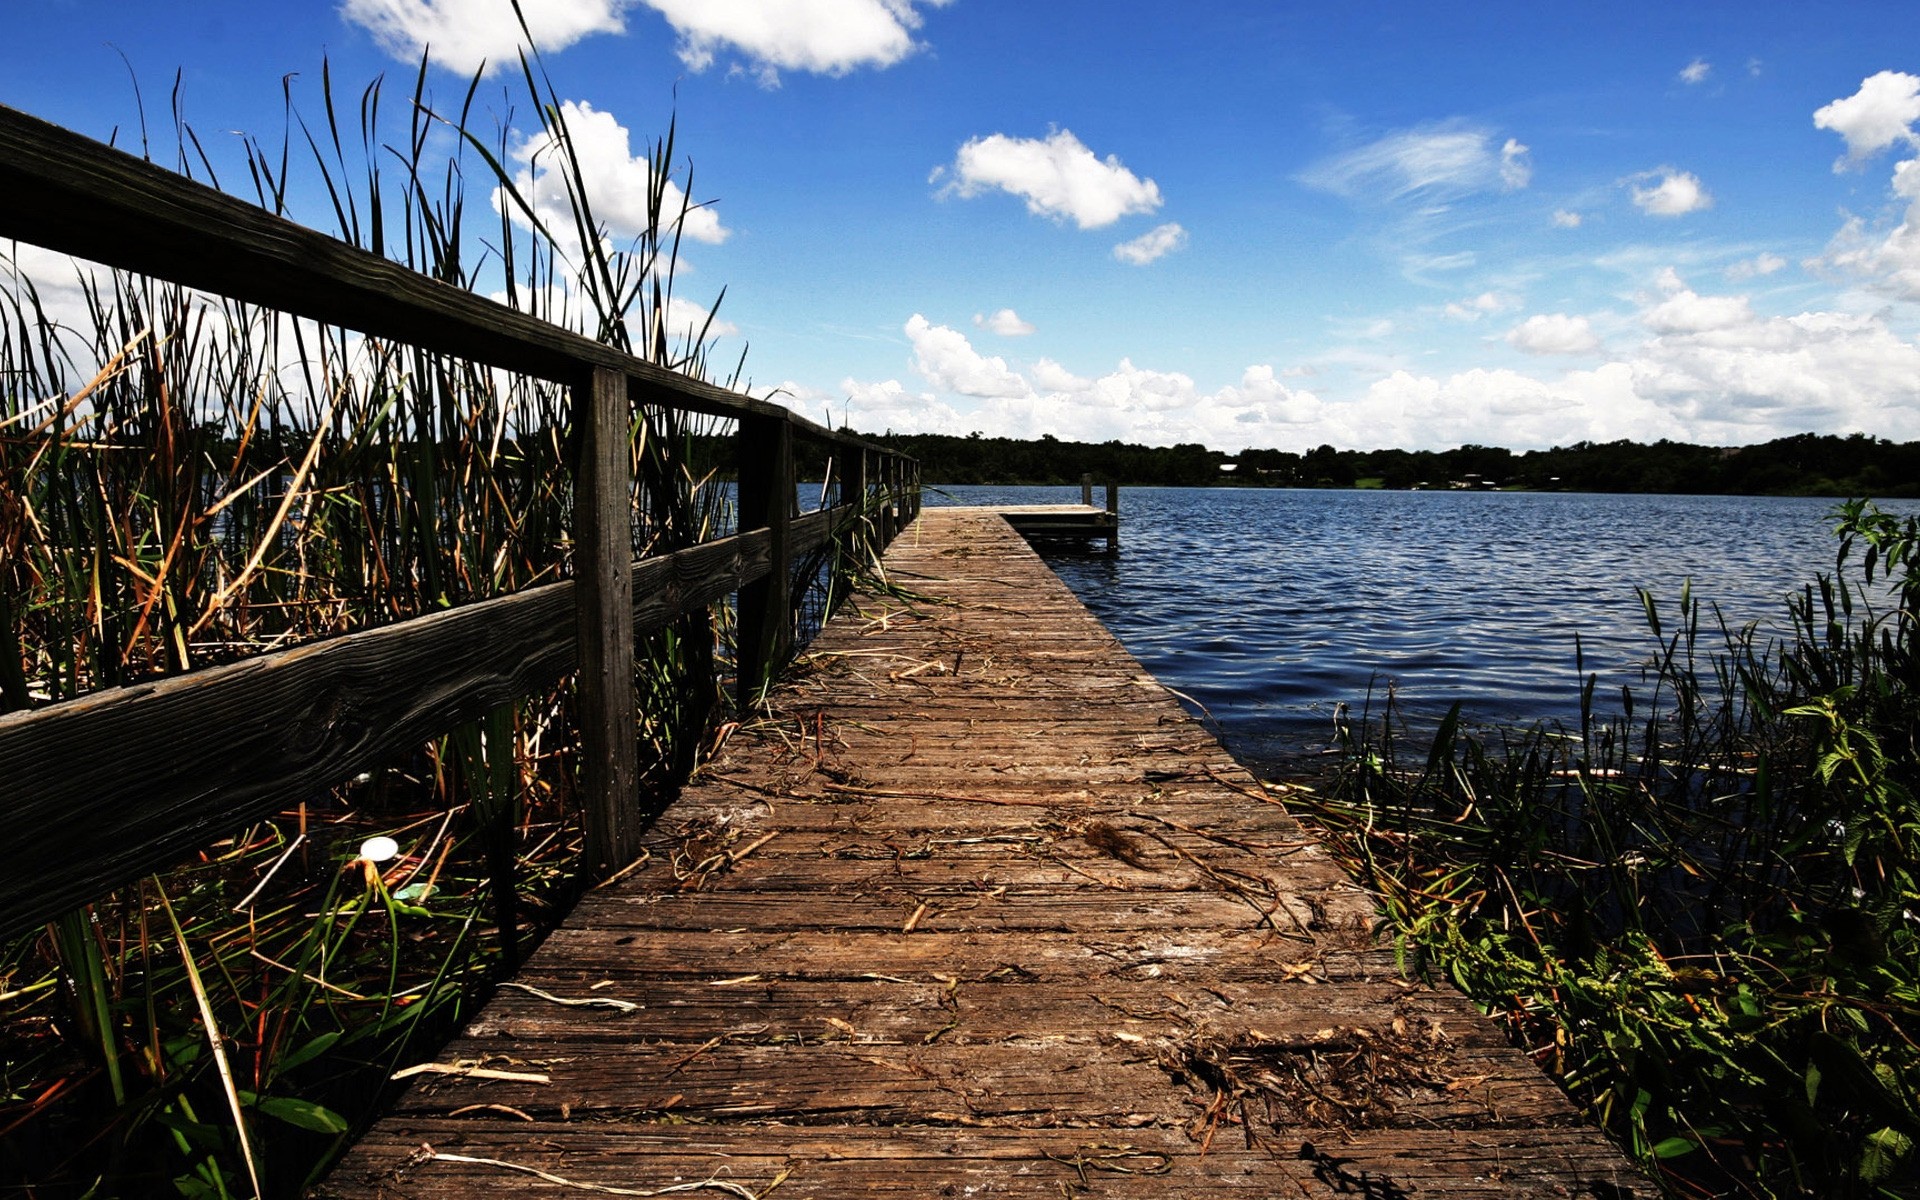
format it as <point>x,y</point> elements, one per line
<point>96,791</point>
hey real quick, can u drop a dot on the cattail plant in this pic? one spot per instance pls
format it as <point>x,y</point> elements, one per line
<point>188,480</point>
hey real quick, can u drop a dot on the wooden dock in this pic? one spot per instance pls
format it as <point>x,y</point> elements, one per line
<point>977,910</point>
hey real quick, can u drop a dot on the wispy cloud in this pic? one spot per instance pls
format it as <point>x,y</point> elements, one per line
<point>1696,72</point>
<point>1155,243</point>
<point>1447,159</point>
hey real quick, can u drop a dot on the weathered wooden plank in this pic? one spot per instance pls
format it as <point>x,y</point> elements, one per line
<point>888,1011</point>
<point>883,943</point>
<point>914,1163</point>
<point>1184,957</point>
<point>1026,1080</point>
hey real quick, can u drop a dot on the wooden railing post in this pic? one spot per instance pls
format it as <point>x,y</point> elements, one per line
<point>766,499</point>
<point>603,591</point>
<point>854,540</point>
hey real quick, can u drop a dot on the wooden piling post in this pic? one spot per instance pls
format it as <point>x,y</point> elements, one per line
<point>603,614</point>
<point>1113,517</point>
<point>765,614</point>
<point>1086,490</point>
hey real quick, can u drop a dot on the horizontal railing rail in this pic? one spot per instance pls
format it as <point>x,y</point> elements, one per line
<point>99,790</point>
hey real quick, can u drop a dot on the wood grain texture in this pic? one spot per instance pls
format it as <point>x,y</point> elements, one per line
<point>603,593</point>
<point>290,724</point>
<point>977,908</point>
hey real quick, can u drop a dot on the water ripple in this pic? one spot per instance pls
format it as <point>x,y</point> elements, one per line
<point>1272,607</point>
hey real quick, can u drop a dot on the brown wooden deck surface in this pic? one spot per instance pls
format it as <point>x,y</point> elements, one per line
<point>979,911</point>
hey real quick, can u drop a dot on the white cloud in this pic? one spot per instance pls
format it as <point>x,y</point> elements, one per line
<point>1564,218</point>
<point>1696,71</point>
<point>616,181</point>
<point>462,34</point>
<point>827,37</point>
<point>1052,377</point>
<point>1876,116</point>
<point>685,319</point>
<point>1448,158</point>
<point>1479,306</point>
<point>1889,262</point>
<point>1752,268</point>
<point>1677,194</point>
<point>948,360</point>
<point>1516,168</point>
<point>1004,322</point>
<point>1710,370</point>
<point>1056,175</point>
<point>1154,243</point>
<point>1685,311</point>
<point>1553,333</point>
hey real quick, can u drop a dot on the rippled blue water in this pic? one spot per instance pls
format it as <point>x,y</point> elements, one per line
<point>1271,607</point>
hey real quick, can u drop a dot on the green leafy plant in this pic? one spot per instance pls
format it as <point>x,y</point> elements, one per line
<point>1701,912</point>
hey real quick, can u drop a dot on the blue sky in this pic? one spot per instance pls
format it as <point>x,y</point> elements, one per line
<point>1243,224</point>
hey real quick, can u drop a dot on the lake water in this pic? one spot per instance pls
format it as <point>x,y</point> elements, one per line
<point>1273,606</point>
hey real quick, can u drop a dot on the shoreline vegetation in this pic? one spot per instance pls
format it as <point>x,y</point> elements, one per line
<point>1700,909</point>
<point>1805,464</point>
<point>188,480</point>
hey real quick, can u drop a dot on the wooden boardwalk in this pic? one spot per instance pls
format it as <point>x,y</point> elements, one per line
<point>979,910</point>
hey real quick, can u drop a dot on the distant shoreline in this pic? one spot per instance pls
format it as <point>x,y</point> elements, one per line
<point>1801,465</point>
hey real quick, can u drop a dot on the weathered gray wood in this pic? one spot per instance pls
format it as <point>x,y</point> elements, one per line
<point>78,821</point>
<point>977,1158</point>
<point>825,966</point>
<point>764,632</point>
<point>603,574</point>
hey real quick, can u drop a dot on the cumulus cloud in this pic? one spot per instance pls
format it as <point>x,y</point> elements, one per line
<point>461,35</point>
<point>1752,268</point>
<point>1686,311</point>
<point>1553,333</point>
<point>1676,194</point>
<point>1056,175</point>
<point>1154,243</point>
<point>1886,261</point>
<point>1449,158</point>
<point>948,361</point>
<point>1564,218</point>
<point>616,179</point>
<point>1004,322</point>
<point>1696,71</point>
<point>826,37</point>
<point>1876,116</point>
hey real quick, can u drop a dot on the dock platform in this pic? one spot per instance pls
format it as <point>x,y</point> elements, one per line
<point>978,909</point>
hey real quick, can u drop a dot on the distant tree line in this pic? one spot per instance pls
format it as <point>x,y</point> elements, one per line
<point>1804,464</point>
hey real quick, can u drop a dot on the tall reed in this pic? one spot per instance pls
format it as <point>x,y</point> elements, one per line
<point>1702,911</point>
<point>186,480</point>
